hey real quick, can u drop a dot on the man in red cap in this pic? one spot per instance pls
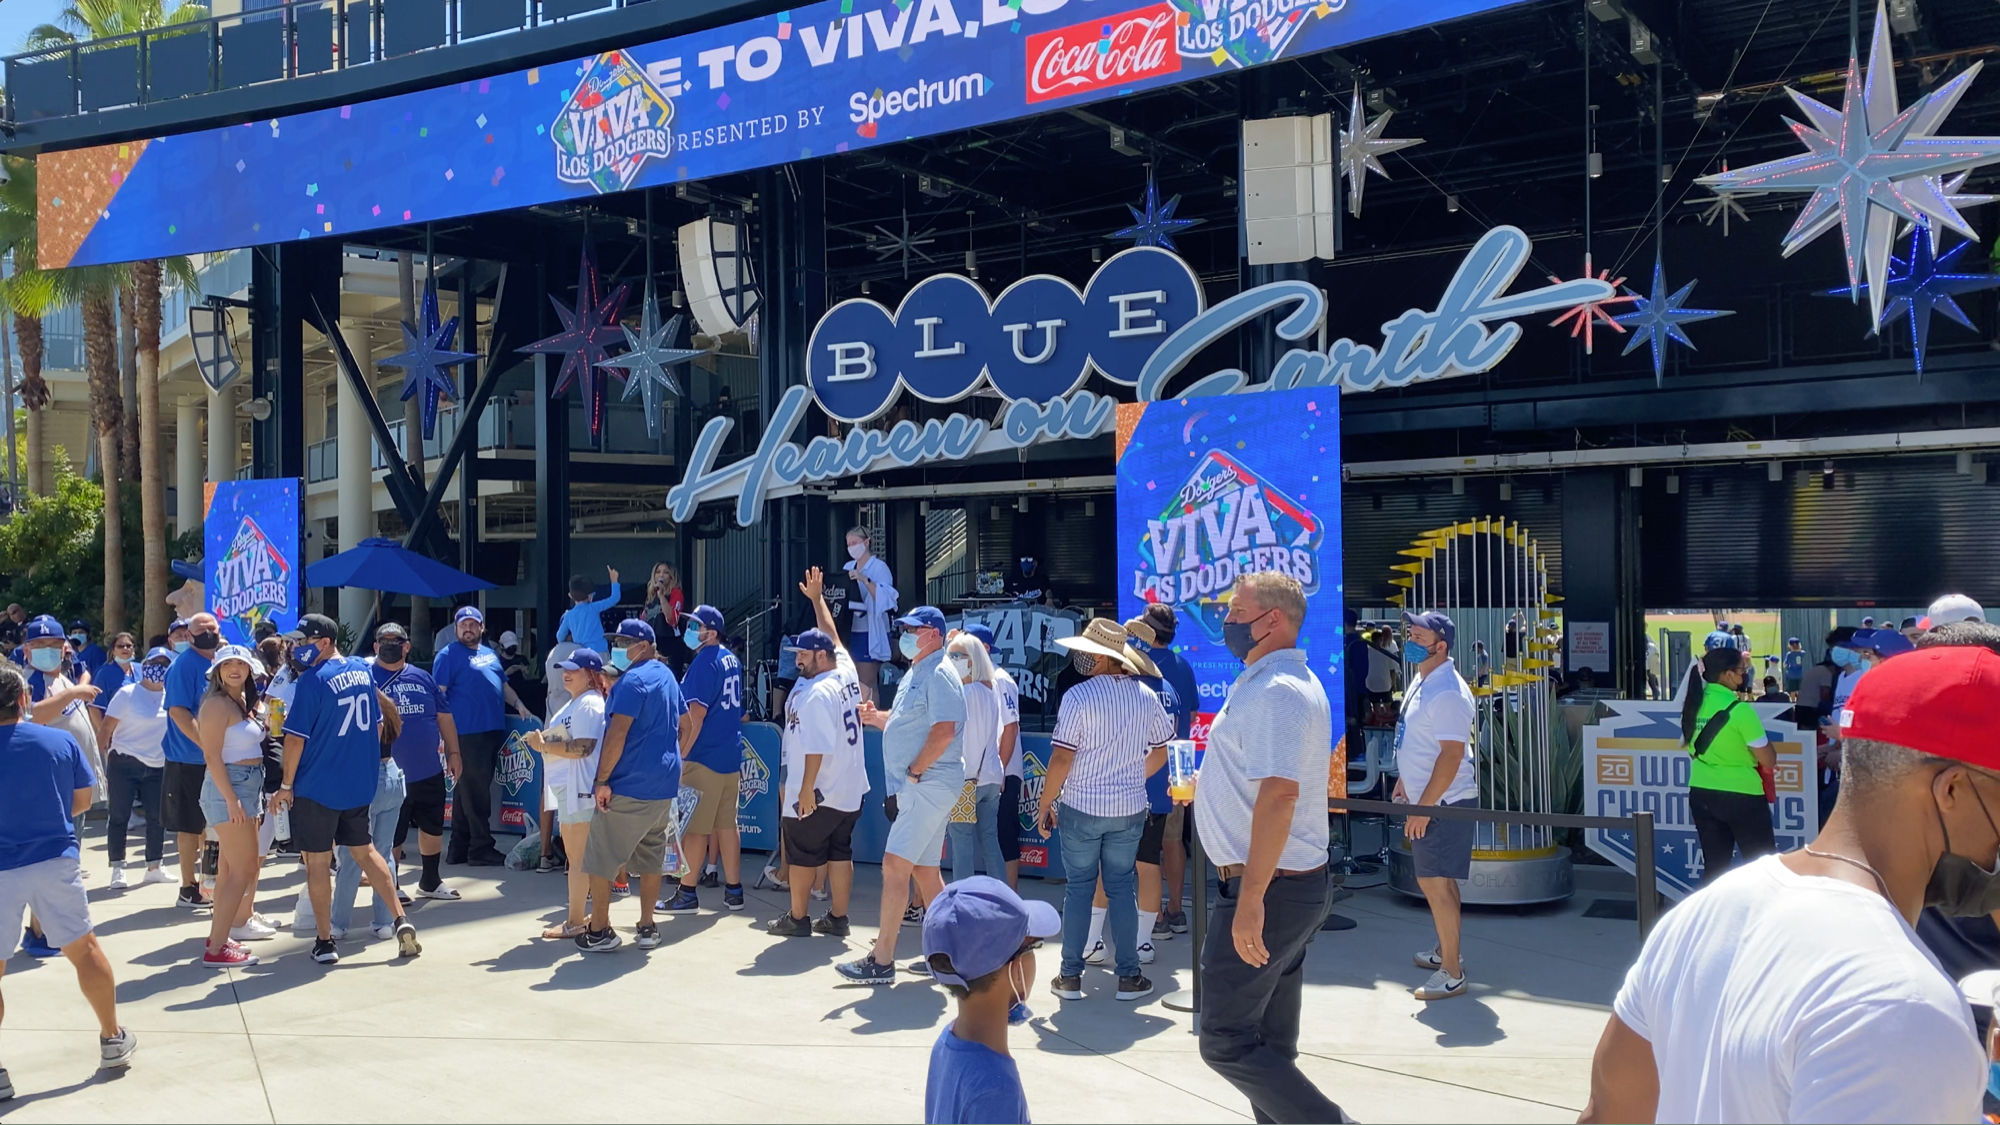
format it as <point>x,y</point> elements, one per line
<point>1794,988</point>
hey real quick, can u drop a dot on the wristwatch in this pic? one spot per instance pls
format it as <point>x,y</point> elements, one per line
<point>913,775</point>
<point>285,788</point>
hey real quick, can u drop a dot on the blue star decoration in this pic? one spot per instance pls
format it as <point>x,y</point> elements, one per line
<point>425,356</point>
<point>590,329</point>
<point>1156,225</point>
<point>1924,284</point>
<point>1659,318</point>
<point>648,365</point>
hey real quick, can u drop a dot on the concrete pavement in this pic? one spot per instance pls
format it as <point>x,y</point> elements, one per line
<point>724,1023</point>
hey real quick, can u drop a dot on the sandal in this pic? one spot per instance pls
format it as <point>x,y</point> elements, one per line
<point>564,932</point>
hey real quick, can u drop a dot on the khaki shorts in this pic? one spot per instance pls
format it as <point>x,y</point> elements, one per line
<point>719,792</point>
<point>631,834</point>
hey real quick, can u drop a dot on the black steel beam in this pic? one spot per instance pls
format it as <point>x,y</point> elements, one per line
<point>423,70</point>
<point>404,491</point>
<point>467,437</point>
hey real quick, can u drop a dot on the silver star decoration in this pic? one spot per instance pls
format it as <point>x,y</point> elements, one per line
<point>1723,207</point>
<point>1659,318</point>
<point>1870,164</point>
<point>1954,190</point>
<point>1362,148</point>
<point>891,243</point>
<point>649,362</point>
<point>1923,285</point>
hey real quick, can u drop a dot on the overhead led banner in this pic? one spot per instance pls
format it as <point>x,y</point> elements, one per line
<point>821,78</point>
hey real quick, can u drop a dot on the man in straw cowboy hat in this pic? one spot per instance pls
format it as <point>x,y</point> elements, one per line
<point>1111,731</point>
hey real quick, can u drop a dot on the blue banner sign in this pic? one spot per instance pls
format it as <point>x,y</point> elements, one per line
<point>1141,322</point>
<point>819,79</point>
<point>250,557</point>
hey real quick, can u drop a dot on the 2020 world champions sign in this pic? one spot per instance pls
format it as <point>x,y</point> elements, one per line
<point>1633,761</point>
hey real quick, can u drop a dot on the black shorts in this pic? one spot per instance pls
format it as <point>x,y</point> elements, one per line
<point>423,808</point>
<point>180,798</point>
<point>1152,838</point>
<point>827,836</point>
<point>316,828</point>
<point>1010,818</point>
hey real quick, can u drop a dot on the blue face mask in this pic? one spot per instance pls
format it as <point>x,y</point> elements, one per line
<point>305,654</point>
<point>1414,653</point>
<point>180,646</point>
<point>692,636</point>
<point>123,661</point>
<point>621,658</point>
<point>81,639</point>
<point>153,674</point>
<point>908,646</point>
<point>45,659</point>
<point>1846,659</point>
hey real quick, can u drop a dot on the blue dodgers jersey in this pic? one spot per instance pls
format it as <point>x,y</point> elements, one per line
<point>336,712</point>
<point>474,687</point>
<point>715,680</point>
<point>187,679</point>
<point>649,768</point>
<point>415,695</point>
<point>40,771</point>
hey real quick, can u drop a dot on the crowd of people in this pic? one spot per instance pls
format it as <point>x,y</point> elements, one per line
<point>291,746</point>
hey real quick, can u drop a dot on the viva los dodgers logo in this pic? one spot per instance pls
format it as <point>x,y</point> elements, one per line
<point>614,121</point>
<point>517,765</point>
<point>1244,32</point>
<point>250,581</point>
<point>755,778</point>
<point>1225,522</point>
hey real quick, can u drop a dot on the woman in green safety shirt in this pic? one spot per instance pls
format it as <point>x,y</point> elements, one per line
<point>1725,736</point>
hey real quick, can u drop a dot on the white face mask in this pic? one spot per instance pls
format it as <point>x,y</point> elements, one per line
<point>856,550</point>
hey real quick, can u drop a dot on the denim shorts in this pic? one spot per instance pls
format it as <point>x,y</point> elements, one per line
<point>569,807</point>
<point>247,779</point>
<point>923,812</point>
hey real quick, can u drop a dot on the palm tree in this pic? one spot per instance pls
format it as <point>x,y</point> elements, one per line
<point>97,286</point>
<point>102,19</point>
<point>30,294</point>
<point>145,287</point>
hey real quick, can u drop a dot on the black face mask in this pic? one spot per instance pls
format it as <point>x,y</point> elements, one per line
<point>1958,886</point>
<point>206,642</point>
<point>392,652</point>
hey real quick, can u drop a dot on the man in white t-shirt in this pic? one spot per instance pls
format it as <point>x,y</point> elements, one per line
<point>1793,988</point>
<point>1434,763</point>
<point>826,774</point>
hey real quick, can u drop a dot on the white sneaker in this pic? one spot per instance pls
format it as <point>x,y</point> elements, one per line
<point>1441,986</point>
<point>252,930</point>
<point>1429,959</point>
<point>265,920</point>
<point>1145,953</point>
<point>118,882</point>
<point>385,932</point>
<point>819,893</point>
<point>1096,955</point>
<point>157,875</point>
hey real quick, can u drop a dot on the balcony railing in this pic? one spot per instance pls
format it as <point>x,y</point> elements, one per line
<point>508,425</point>
<point>248,48</point>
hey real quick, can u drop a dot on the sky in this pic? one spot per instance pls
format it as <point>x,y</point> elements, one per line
<point>17,16</point>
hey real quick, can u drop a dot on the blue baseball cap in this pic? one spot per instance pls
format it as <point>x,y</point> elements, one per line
<point>1792,640</point>
<point>980,924</point>
<point>634,629</point>
<point>1436,622</point>
<point>709,616</point>
<point>162,654</point>
<point>1882,642</point>
<point>179,623</point>
<point>80,624</point>
<point>814,640</point>
<point>981,632</point>
<point>466,612</point>
<point>44,627</point>
<point>923,617</point>
<point>582,660</point>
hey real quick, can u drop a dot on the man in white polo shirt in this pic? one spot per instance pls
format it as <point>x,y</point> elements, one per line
<point>1262,812</point>
<point>1434,760</point>
<point>1111,732</point>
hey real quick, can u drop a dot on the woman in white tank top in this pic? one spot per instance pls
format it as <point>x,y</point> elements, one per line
<point>231,729</point>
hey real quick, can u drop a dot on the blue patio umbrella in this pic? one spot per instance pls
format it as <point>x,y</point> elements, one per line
<point>386,565</point>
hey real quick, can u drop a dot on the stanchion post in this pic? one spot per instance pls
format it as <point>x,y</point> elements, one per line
<point>1645,881</point>
<point>1189,999</point>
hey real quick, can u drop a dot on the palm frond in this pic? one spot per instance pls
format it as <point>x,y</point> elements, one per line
<point>47,35</point>
<point>180,271</point>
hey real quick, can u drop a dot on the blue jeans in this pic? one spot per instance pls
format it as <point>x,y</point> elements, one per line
<point>1106,846</point>
<point>979,840</point>
<point>383,812</point>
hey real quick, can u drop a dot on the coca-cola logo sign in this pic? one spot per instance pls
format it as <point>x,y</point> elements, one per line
<point>1102,54</point>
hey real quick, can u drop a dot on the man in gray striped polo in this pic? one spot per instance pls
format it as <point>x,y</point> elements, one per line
<point>1261,807</point>
<point>1111,732</point>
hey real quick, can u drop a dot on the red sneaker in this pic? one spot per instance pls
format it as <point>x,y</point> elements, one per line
<point>228,957</point>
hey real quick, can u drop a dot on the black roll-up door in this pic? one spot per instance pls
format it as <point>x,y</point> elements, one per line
<point>1380,518</point>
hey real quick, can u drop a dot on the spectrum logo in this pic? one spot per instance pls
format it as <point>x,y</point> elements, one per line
<point>866,108</point>
<point>1102,54</point>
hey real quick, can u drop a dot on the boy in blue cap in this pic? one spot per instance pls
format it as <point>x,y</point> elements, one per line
<point>979,939</point>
